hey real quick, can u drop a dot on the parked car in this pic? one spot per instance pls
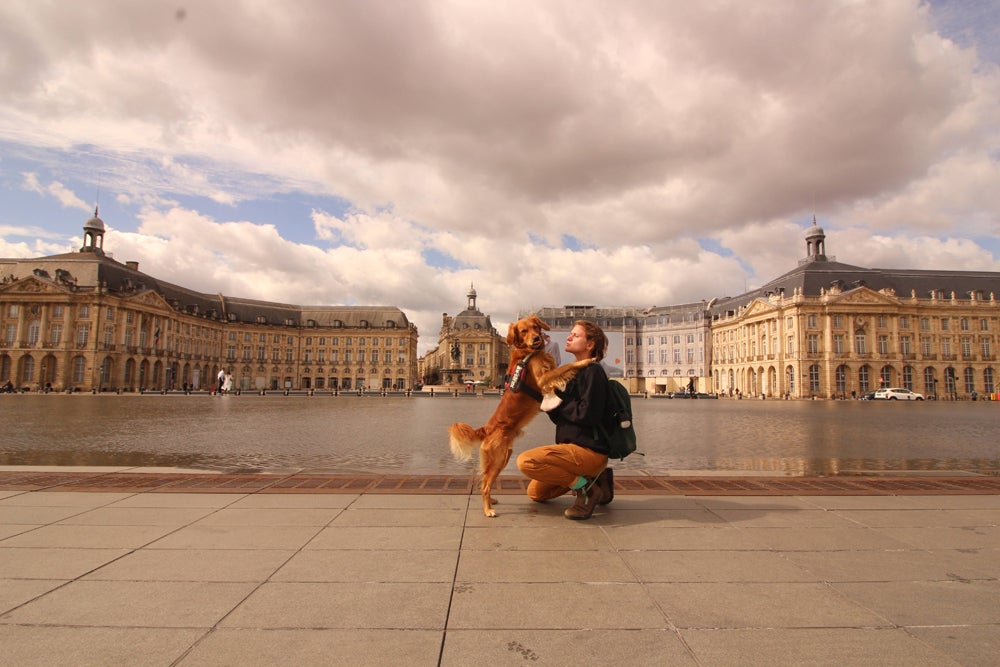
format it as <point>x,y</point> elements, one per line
<point>897,394</point>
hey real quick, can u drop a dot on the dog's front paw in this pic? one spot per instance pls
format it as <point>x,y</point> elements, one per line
<point>550,402</point>
<point>490,513</point>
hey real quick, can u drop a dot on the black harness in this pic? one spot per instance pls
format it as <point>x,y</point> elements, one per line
<point>515,382</point>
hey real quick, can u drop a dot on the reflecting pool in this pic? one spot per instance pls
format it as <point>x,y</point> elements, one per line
<point>372,434</point>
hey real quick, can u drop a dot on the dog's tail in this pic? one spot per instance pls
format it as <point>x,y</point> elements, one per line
<point>463,439</point>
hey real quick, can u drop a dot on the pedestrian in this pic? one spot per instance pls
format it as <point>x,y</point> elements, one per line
<point>227,384</point>
<point>552,347</point>
<point>221,380</point>
<point>577,461</point>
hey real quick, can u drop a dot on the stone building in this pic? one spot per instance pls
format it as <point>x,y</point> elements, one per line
<point>827,329</point>
<point>469,350</point>
<point>84,321</point>
<point>622,325</point>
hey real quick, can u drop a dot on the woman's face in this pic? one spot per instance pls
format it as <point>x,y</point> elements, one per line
<point>577,343</point>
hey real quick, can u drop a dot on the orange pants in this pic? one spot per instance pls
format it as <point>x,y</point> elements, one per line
<point>554,468</point>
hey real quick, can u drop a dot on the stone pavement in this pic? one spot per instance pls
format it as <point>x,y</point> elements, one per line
<point>137,577</point>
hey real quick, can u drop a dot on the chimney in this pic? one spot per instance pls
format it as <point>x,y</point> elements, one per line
<point>132,265</point>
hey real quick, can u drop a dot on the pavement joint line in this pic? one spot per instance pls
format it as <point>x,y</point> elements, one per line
<point>465,484</point>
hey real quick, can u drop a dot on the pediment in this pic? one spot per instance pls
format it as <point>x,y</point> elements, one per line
<point>864,296</point>
<point>149,298</point>
<point>758,307</point>
<point>33,285</point>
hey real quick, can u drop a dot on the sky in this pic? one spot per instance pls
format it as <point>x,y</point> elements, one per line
<point>547,152</point>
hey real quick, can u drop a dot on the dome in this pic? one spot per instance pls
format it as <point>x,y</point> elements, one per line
<point>95,224</point>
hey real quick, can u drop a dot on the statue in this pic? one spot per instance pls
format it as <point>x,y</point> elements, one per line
<point>456,352</point>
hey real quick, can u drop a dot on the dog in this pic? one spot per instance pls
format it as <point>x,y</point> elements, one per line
<point>533,374</point>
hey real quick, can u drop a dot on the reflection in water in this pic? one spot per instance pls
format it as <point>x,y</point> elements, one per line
<point>409,435</point>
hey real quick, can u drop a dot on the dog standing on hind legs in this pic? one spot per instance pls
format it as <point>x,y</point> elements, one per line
<point>532,373</point>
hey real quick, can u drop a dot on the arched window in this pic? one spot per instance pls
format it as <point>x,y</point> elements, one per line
<point>864,379</point>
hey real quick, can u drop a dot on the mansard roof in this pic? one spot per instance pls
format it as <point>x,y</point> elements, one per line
<point>85,272</point>
<point>813,277</point>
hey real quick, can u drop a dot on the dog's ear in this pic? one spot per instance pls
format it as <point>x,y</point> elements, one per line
<point>512,333</point>
<point>542,324</point>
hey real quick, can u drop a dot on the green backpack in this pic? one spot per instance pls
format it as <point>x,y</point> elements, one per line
<point>617,429</point>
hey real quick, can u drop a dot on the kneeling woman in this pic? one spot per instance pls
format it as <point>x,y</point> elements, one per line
<point>577,461</point>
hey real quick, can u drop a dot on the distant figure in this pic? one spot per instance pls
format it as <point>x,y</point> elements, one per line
<point>553,348</point>
<point>227,384</point>
<point>221,380</point>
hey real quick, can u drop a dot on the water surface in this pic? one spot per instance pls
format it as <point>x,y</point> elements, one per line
<point>371,434</point>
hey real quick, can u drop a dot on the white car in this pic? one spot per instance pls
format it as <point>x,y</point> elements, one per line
<point>898,394</point>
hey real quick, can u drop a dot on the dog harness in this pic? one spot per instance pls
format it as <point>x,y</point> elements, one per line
<point>516,381</point>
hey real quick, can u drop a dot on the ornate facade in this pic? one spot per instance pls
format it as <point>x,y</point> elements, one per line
<point>833,330</point>
<point>469,349</point>
<point>83,321</point>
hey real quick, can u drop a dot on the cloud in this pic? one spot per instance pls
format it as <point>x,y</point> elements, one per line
<point>66,197</point>
<point>567,151</point>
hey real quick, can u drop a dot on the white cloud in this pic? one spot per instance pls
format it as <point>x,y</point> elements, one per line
<point>60,192</point>
<point>492,132</point>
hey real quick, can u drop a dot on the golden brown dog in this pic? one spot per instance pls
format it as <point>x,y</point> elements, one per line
<point>517,406</point>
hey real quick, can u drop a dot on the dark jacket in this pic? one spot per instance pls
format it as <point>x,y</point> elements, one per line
<point>583,405</point>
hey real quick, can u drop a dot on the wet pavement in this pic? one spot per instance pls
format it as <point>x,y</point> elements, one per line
<point>163,567</point>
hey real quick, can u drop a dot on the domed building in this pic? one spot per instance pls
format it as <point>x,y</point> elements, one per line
<point>831,330</point>
<point>469,350</point>
<point>84,321</point>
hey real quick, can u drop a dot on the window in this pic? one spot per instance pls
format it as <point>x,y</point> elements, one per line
<point>839,344</point>
<point>970,380</point>
<point>945,324</point>
<point>811,321</point>
<point>82,335</point>
<point>988,386</point>
<point>883,344</point>
<point>925,324</point>
<point>882,321</point>
<point>55,334</point>
<point>904,345</point>
<point>814,378</point>
<point>904,322</point>
<point>966,346</point>
<point>84,312</point>
<point>841,379</point>
<point>12,310</point>
<point>963,324</point>
<point>791,345</point>
<point>864,379</point>
<point>33,332</point>
<point>860,343</point>
<point>929,382</point>
<point>946,347</point>
<point>10,334</point>
<point>28,369</point>
<point>908,377</point>
<point>838,321</point>
<point>984,347</point>
<point>812,343</point>
<point>79,369</point>
<point>984,324</point>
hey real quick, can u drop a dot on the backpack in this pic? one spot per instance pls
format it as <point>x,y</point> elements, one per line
<point>617,429</point>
